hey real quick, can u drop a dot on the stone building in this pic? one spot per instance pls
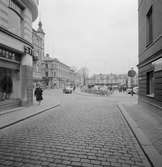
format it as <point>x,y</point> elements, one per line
<point>16,49</point>
<point>108,79</point>
<point>57,74</point>
<point>150,51</point>
<point>38,44</point>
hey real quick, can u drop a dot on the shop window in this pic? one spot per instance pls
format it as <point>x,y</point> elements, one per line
<point>150,83</point>
<point>149,27</point>
<point>9,55</point>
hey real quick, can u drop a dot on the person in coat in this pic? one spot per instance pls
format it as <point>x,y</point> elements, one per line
<point>38,94</point>
<point>6,86</point>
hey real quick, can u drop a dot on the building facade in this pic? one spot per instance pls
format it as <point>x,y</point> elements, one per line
<point>108,79</point>
<point>57,74</point>
<point>150,51</point>
<point>16,49</point>
<point>38,48</point>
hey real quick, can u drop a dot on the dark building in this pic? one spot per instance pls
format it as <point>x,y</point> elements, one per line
<point>150,51</point>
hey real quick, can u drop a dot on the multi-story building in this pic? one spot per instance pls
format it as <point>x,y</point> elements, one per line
<point>38,44</point>
<point>16,49</point>
<point>57,74</point>
<point>108,79</point>
<point>150,51</point>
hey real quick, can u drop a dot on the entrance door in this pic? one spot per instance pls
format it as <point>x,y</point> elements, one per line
<point>3,73</point>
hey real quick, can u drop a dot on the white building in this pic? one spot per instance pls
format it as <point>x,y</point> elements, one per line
<point>16,49</point>
<point>57,74</point>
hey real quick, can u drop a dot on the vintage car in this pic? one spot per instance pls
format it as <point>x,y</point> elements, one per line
<point>68,89</point>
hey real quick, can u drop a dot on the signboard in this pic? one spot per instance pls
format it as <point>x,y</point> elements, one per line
<point>131,73</point>
<point>28,50</point>
<point>157,65</point>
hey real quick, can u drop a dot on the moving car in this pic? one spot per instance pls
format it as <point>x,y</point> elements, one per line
<point>68,89</point>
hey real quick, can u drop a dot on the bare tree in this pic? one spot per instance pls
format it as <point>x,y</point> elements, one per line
<point>84,74</point>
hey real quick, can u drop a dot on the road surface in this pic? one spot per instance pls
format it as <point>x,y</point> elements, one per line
<point>87,131</point>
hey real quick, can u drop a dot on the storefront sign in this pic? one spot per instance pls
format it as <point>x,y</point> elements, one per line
<point>28,50</point>
<point>157,65</point>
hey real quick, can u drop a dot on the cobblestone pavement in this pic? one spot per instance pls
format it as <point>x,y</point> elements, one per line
<point>83,131</point>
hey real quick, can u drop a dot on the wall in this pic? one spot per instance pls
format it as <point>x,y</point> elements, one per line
<point>148,54</point>
<point>16,33</point>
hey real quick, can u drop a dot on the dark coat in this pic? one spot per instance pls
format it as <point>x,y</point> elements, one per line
<point>6,84</point>
<point>38,94</point>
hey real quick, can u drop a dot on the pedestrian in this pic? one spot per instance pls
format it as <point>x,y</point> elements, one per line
<point>111,90</point>
<point>38,94</point>
<point>6,86</point>
<point>74,88</point>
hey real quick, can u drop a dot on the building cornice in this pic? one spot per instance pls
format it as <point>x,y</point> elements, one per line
<point>150,59</point>
<point>152,44</point>
<point>15,36</point>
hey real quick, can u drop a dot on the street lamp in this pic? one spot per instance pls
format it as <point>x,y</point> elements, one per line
<point>131,74</point>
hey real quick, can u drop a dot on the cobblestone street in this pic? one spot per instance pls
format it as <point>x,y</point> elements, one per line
<point>84,131</point>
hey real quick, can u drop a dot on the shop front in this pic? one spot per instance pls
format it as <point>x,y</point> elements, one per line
<point>9,74</point>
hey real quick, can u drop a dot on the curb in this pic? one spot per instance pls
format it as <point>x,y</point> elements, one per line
<point>11,110</point>
<point>27,117</point>
<point>154,158</point>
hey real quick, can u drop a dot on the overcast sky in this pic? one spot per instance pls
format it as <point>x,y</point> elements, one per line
<point>98,34</point>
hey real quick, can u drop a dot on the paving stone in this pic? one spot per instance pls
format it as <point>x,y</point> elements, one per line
<point>95,162</point>
<point>88,133</point>
<point>75,159</point>
<point>76,164</point>
<point>66,162</point>
<point>87,165</point>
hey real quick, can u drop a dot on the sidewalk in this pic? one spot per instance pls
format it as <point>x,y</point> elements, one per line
<point>149,119</point>
<point>146,123</point>
<point>10,117</point>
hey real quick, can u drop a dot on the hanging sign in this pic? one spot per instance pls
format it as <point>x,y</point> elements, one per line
<point>131,73</point>
<point>28,50</point>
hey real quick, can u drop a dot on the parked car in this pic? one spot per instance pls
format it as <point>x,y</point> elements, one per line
<point>129,91</point>
<point>135,90</point>
<point>68,89</point>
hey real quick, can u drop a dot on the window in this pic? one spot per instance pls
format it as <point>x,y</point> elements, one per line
<point>15,17</point>
<point>54,74</point>
<point>149,27</point>
<point>16,7</point>
<point>150,83</point>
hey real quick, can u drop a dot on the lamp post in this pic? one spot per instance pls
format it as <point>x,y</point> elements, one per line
<point>131,74</point>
